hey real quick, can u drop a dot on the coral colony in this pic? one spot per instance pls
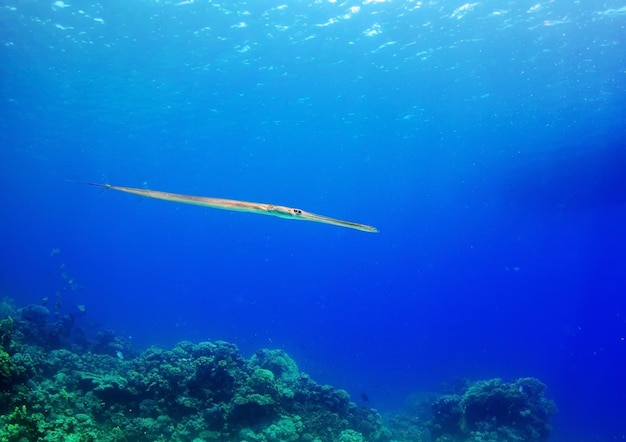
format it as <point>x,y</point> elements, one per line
<point>58,385</point>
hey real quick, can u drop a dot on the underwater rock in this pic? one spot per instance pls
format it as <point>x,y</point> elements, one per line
<point>517,410</point>
<point>109,343</point>
<point>251,410</point>
<point>447,415</point>
<point>48,331</point>
<point>109,388</point>
<point>35,313</point>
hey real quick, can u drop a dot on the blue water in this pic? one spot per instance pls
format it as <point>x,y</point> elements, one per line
<point>485,141</point>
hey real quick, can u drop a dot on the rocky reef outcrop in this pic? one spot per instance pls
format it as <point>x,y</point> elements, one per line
<point>495,411</point>
<point>58,385</point>
<point>102,390</point>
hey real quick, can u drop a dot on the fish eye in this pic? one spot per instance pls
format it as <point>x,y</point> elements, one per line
<point>297,211</point>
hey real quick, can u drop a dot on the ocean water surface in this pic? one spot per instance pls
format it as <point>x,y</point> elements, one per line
<point>486,141</point>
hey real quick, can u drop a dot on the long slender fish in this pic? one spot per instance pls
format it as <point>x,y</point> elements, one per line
<point>241,206</point>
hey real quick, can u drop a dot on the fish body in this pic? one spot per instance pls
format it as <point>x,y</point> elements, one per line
<point>241,206</point>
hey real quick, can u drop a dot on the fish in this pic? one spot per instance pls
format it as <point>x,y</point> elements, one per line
<point>240,206</point>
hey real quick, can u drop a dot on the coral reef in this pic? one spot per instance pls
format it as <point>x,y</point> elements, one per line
<point>101,390</point>
<point>494,411</point>
<point>57,385</point>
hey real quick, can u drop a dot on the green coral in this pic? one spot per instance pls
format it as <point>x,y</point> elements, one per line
<point>20,426</point>
<point>6,332</point>
<point>350,436</point>
<point>6,366</point>
<point>286,429</point>
<point>278,362</point>
<point>261,379</point>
